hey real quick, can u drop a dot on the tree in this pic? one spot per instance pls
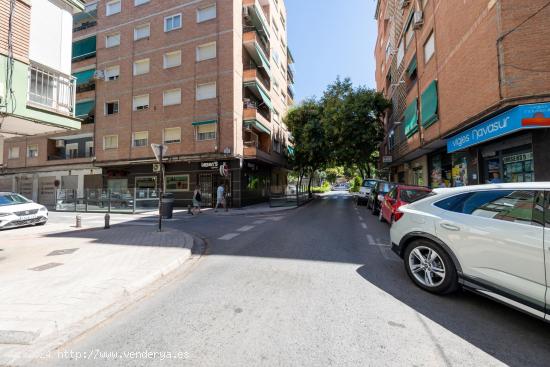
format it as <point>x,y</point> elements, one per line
<point>332,173</point>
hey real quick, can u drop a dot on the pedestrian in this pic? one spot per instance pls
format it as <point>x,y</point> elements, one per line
<point>220,197</point>
<point>496,178</point>
<point>197,199</point>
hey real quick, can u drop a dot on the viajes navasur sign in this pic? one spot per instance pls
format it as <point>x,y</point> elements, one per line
<point>529,116</point>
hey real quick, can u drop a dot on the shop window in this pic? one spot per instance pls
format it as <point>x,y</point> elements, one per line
<point>175,183</point>
<point>518,167</point>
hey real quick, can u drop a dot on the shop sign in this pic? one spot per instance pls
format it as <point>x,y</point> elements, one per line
<point>518,118</point>
<point>517,158</point>
<point>210,165</point>
<point>387,159</point>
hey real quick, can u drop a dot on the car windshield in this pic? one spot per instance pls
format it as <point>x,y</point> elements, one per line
<point>369,183</point>
<point>12,199</point>
<point>412,195</point>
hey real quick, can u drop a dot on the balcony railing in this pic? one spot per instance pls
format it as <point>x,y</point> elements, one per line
<point>69,156</point>
<point>51,90</point>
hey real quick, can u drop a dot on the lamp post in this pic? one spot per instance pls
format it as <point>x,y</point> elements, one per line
<point>159,150</point>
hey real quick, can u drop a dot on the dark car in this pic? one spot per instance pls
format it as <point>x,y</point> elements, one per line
<point>376,196</point>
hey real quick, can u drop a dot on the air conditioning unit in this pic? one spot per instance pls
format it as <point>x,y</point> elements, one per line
<point>418,19</point>
<point>99,74</point>
<point>60,143</point>
<point>404,3</point>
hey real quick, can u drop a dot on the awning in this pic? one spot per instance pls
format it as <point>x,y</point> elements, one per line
<point>84,77</point>
<point>257,18</point>
<point>290,56</point>
<point>263,58</point>
<point>206,122</point>
<point>412,66</point>
<point>411,119</point>
<point>290,150</point>
<point>84,47</point>
<point>83,109</point>
<point>429,104</point>
<point>258,125</point>
<point>261,91</point>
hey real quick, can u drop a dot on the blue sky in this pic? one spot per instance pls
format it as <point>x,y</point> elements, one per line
<point>330,38</point>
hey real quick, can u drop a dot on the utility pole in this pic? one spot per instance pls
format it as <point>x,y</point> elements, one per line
<point>161,183</point>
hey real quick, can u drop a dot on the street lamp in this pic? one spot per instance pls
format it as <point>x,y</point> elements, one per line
<point>159,150</point>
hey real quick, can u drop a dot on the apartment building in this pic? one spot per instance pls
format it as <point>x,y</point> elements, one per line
<point>469,86</point>
<point>37,91</point>
<point>209,79</point>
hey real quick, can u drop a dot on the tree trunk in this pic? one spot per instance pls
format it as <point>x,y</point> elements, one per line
<point>310,194</point>
<point>368,170</point>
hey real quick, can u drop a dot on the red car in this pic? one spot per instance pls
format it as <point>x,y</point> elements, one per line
<point>400,195</point>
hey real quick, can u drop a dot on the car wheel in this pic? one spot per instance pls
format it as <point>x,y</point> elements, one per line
<point>381,216</point>
<point>40,224</point>
<point>430,267</point>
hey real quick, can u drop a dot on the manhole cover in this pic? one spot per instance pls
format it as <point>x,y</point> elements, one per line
<point>62,252</point>
<point>46,266</point>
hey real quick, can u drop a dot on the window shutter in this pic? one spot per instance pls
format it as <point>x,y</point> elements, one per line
<point>112,40</point>
<point>429,104</point>
<point>411,119</point>
<point>205,52</point>
<point>141,102</point>
<point>172,135</point>
<point>141,67</point>
<point>142,31</point>
<point>172,97</point>
<point>206,91</point>
<point>206,13</point>
<point>172,59</point>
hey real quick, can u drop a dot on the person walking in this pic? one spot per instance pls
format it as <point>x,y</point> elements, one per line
<point>197,199</point>
<point>220,197</point>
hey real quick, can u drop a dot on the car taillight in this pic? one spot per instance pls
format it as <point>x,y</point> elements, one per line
<point>398,215</point>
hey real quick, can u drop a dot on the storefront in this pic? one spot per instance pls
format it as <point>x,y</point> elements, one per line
<point>504,147</point>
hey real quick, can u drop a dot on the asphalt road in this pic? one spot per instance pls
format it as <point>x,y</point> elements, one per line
<point>315,286</point>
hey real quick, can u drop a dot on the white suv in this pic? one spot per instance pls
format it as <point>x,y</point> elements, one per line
<point>491,239</point>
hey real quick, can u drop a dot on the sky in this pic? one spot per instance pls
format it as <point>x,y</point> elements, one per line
<point>329,38</point>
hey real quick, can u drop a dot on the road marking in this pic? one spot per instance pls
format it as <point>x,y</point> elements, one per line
<point>360,218</point>
<point>245,228</point>
<point>228,236</point>
<point>275,219</point>
<point>259,222</point>
<point>364,225</point>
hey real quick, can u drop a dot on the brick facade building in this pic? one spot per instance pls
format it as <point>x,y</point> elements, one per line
<point>469,84</point>
<point>210,79</point>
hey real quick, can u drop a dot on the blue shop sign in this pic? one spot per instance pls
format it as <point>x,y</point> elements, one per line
<point>529,116</point>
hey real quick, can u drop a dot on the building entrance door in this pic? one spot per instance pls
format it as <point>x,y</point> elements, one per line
<point>206,185</point>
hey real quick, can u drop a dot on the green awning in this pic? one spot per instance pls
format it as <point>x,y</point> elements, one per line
<point>412,66</point>
<point>265,96</point>
<point>429,105</point>
<point>263,58</point>
<point>411,119</point>
<point>83,109</point>
<point>85,47</point>
<point>256,16</point>
<point>197,123</point>
<point>258,125</point>
<point>290,150</point>
<point>84,77</point>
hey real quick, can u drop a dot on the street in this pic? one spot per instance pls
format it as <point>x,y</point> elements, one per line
<point>313,286</point>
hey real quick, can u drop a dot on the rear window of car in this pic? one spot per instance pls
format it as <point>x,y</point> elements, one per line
<point>385,187</point>
<point>411,195</point>
<point>369,183</point>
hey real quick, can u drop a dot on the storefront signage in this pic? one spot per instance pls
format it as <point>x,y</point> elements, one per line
<point>517,158</point>
<point>518,118</point>
<point>211,165</point>
<point>387,159</point>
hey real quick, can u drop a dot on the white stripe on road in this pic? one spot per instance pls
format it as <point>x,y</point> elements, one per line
<point>228,236</point>
<point>370,239</point>
<point>259,222</point>
<point>360,218</point>
<point>275,219</point>
<point>245,228</point>
<point>364,225</point>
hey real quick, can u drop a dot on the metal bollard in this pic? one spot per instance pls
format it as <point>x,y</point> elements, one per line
<point>78,221</point>
<point>107,220</point>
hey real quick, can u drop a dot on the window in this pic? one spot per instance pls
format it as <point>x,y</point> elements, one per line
<point>112,7</point>
<point>112,40</point>
<point>171,97</point>
<point>409,32</point>
<point>32,151</point>
<point>172,22</point>
<point>110,142</point>
<point>276,57</point>
<point>142,31</point>
<point>509,205</point>
<point>276,116</point>
<point>207,13</point>
<point>140,2</point>
<point>400,52</point>
<point>172,135</point>
<point>71,150</point>
<point>140,139</point>
<point>206,91</point>
<point>89,146</point>
<point>141,67</point>
<point>207,51</point>
<point>13,153</point>
<point>206,132</point>
<point>177,183</point>
<point>112,72</point>
<point>429,48</point>
<point>172,59</point>
<point>141,102</point>
<point>111,108</point>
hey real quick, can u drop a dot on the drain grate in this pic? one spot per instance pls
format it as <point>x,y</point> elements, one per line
<point>62,252</point>
<point>46,266</point>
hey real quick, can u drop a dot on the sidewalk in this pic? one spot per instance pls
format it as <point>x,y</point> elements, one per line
<point>54,284</point>
<point>262,208</point>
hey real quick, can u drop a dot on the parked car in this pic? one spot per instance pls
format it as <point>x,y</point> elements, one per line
<point>377,194</point>
<point>490,239</point>
<point>398,196</point>
<point>364,190</point>
<point>18,211</point>
<point>341,187</point>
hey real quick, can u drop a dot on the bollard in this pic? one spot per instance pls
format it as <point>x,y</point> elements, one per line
<point>78,221</point>
<point>107,220</point>
<point>189,209</point>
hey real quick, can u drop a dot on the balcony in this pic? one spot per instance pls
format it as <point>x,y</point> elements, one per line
<point>84,20</point>
<point>253,117</point>
<point>79,146</point>
<point>254,15</point>
<point>85,80</point>
<point>84,49</point>
<point>252,75</point>
<point>290,75</point>
<point>51,90</point>
<point>257,48</point>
